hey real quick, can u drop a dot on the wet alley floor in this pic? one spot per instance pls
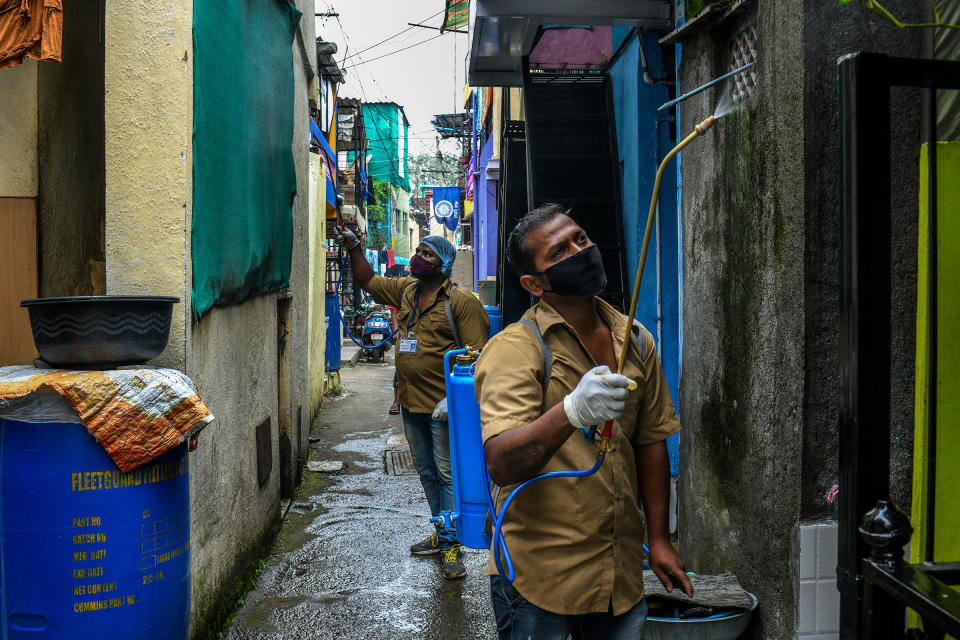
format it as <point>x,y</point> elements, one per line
<point>341,566</point>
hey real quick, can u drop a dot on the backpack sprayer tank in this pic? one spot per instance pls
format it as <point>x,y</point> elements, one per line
<point>470,492</point>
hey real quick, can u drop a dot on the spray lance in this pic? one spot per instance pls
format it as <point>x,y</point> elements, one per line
<point>601,438</point>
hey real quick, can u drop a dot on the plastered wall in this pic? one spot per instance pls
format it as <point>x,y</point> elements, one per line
<point>236,355</point>
<point>18,131</point>
<point>148,120</point>
<point>741,384</point>
<point>234,364</point>
<point>316,314</point>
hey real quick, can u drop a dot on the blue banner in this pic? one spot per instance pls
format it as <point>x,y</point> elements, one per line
<point>446,206</point>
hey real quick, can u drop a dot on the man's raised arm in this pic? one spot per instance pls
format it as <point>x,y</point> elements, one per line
<point>362,270</point>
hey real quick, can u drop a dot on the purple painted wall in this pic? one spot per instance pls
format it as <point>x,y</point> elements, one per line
<point>485,224</point>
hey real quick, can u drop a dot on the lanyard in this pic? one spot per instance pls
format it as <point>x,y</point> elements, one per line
<point>414,313</point>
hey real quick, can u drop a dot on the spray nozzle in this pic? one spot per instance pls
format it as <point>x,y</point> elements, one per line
<point>706,124</point>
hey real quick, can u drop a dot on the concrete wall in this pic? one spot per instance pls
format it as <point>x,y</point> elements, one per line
<point>832,31</point>
<point>760,233</point>
<point>295,412</point>
<point>463,268</point>
<point>741,385</point>
<point>71,159</point>
<point>250,361</point>
<point>234,363</point>
<point>149,121</point>
<point>18,131</point>
<point>316,314</point>
<point>400,222</point>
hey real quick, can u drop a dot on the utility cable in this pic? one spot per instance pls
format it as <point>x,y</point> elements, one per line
<point>399,33</point>
<point>362,62</point>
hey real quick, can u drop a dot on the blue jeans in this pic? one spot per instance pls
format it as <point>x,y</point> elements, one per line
<point>517,619</point>
<point>429,441</point>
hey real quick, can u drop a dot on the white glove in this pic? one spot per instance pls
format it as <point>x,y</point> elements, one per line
<point>348,239</point>
<point>601,395</point>
<point>440,411</point>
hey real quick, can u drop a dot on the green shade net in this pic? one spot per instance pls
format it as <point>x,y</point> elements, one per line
<point>385,126</point>
<point>456,14</point>
<point>244,178</point>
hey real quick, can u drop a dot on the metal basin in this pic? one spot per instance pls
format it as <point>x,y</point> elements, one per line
<point>100,331</point>
<point>726,628</point>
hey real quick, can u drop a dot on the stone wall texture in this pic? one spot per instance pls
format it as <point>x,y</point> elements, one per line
<point>759,395</point>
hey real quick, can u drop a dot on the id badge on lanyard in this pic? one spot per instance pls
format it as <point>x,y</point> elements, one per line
<point>409,344</point>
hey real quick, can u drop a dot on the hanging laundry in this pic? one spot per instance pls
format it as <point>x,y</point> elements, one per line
<point>30,28</point>
<point>373,257</point>
<point>390,258</point>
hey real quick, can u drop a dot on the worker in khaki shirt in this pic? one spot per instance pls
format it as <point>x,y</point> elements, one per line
<point>433,314</point>
<point>576,543</point>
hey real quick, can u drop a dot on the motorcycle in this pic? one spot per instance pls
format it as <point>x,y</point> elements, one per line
<point>376,328</point>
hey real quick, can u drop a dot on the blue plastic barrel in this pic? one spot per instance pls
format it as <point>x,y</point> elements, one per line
<point>466,456</point>
<point>85,550</point>
<point>496,320</point>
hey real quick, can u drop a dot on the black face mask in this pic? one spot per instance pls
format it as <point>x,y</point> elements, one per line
<point>579,275</point>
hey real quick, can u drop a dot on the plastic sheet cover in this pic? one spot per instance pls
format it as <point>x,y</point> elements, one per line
<point>244,178</point>
<point>386,128</point>
<point>135,414</point>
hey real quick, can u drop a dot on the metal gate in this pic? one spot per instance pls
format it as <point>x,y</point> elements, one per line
<point>876,585</point>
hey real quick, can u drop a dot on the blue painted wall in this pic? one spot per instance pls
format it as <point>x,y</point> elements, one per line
<point>643,138</point>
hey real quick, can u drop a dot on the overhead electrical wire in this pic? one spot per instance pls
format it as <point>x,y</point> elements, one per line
<point>364,92</point>
<point>416,44</point>
<point>415,139</point>
<point>389,38</point>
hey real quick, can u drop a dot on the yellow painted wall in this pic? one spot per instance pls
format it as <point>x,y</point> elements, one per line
<point>947,519</point>
<point>947,506</point>
<point>18,130</point>
<point>316,314</point>
<point>495,120</point>
<point>149,121</point>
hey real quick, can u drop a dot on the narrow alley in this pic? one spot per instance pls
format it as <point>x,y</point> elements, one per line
<point>341,566</point>
<point>283,282</point>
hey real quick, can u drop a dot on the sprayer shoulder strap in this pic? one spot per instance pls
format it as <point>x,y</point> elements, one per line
<point>453,324</point>
<point>547,354</point>
<point>636,337</point>
<point>639,340</point>
<point>446,306</point>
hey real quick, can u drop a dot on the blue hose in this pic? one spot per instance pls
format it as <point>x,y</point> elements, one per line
<point>344,322</point>
<point>498,540</point>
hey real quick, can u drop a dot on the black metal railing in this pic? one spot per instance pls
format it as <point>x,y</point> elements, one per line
<point>876,585</point>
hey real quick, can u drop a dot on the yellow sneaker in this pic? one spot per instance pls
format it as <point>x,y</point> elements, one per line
<point>453,568</point>
<point>427,546</point>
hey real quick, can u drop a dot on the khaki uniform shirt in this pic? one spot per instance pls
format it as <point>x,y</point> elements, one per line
<point>576,543</point>
<point>420,375</point>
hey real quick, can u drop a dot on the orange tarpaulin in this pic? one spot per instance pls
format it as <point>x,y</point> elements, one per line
<point>31,28</point>
<point>135,414</point>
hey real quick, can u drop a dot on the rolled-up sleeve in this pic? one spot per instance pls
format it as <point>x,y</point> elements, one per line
<point>387,290</point>
<point>508,381</point>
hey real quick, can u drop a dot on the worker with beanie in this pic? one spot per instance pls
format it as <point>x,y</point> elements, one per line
<point>435,317</point>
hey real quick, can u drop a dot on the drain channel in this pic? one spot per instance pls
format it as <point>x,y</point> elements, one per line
<point>398,462</point>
